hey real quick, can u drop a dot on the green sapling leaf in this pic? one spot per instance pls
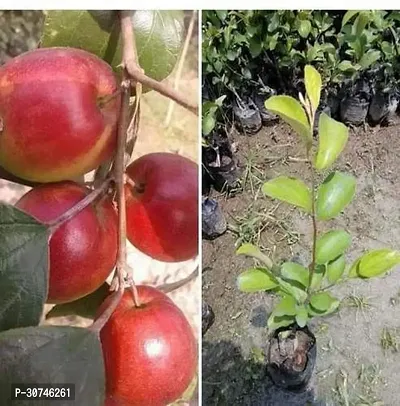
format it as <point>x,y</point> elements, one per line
<point>290,190</point>
<point>375,263</point>
<point>322,304</point>
<point>334,194</point>
<point>291,111</point>
<point>313,84</point>
<point>293,272</point>
<point>251,250</point>
<point>301,316</point>
<point>335,269</point>
<point>256,280</point>
<point>331,244</point>
<point>333,137</point>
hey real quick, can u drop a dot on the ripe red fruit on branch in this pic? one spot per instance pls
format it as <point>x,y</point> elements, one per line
<point>162,207</point>
<point>53,125</point>
<point>150,352</point>
<point>83,250</point>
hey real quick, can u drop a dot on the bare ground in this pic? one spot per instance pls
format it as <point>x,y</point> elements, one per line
<point>358,347</point>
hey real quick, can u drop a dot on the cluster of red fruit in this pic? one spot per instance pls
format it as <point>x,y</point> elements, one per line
<point>56,125</point>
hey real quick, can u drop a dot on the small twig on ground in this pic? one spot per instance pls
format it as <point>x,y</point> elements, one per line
<point>73,211</point>
<point>179,69</point>
<point>135,72</point>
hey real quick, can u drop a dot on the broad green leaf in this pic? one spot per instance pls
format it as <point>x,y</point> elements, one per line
<point>55,355</point>
<point>335,269</point>
<point>256,280</point>
<point>24,268</point>
<point>251,250</point>
<point>345,66</point>
<point>348,16</point>
<point>289,190</point>
<point>292,289</point>
<point>332,139</point>
<point>85,307</point>
<point>291,111</point>
<point>294,272</point>
<point>318,276</point>
<point>301,315</point>
<point>369,58</point>
<point>159,36</point>
<point>322,304</point>
<point>208,123</point>
<point>286,306</point>
<point>313,84</point>
<point>334,194</point>
<point>332,244</point>
<point>304,28</point>
<point>275,322</point>
<point>377,262</point>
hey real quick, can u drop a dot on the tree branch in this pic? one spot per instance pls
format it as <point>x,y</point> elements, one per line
<point>136,74</point>
<point>170,287</point>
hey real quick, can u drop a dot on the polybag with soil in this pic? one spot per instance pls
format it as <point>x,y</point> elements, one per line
<point>213,220</point>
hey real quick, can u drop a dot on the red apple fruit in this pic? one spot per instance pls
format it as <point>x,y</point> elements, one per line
<point>83,250</point>
<point>150,352</point>
<point>162,206</point>
<point>54,122</point>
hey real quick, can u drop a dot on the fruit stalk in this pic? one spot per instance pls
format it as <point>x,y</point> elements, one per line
<point>136,74</point>
<point>73,211</point>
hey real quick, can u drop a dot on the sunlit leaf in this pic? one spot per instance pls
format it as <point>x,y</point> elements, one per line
<point>256,280</point>
<point>292,271</point>
<point>334,194</point>
<point>333,137</point>
<point>377,262</point>
<point>290,190</point>
<point>301,316</point>
<point>313,84</point>
<point>348,16</point>
<point>322,304</point>
<point>291,111</point>
<point>318,276</point>
<point>292,288</point>
<point>208,123</point>
<point>275,322</point>
<point>335,269</point>
<point>304,28</point>
<point>332,244</point>
<point>251,250</point>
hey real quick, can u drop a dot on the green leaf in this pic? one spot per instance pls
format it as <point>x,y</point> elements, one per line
<point>345,66</point>
<point>291,111</point>
<point>334,194</point>
<point>353,270</point>
<point>292,289</point>
<point>335,269</point>
<point>318,276</point>
<point>208,124</point>
<point>251,250</point>
<point>159,36</point>
<point>377,262</point>
<point>313,84</point>
<point>348,16</point>
<point>275,322</point>
<point>301,316</point>
<point>333,137</point>
<point>54,355</point>
<point>286,306</point>
<point>294,272</point>
<point>256,280</point>
<point>304,28</point>
<point>290,190</point>
<point>332,244</point>
<point>24,268</point>
<point>369,58</point>
<point>85,307</point>
<point>322,304</point>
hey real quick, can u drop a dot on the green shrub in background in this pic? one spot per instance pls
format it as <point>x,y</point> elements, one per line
<point>245,50</point>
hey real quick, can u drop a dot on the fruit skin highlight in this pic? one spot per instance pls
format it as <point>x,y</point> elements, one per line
<point>150,352</point>
<point>53,126</point>
<point>83,250</point>
<point>162,208</point>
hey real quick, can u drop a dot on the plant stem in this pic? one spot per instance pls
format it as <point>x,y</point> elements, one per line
<point>137,75</point>
<point>170,287</point>
<point>73,211</point>
<point>314,220</point>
